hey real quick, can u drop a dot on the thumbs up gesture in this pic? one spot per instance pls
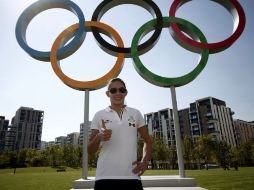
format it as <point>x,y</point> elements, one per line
<point>105,134</point>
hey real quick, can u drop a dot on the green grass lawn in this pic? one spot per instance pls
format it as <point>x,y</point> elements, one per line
<point>48,179</point>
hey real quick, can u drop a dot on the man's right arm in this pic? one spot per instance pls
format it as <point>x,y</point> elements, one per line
<point>96,137</point>
<point>94,142</point>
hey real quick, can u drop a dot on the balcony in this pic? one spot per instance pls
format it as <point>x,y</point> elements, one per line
<point>210,126</point>
<point>195,134</point>
<point>193,111</point>
<point>194,124</point>
<point>214,133</point>
<point>209,114</point>
<point>212,120</point>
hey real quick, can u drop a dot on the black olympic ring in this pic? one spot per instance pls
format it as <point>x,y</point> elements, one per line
<point>149,5</point>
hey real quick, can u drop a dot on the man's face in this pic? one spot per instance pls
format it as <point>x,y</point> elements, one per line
<point>117,93</point>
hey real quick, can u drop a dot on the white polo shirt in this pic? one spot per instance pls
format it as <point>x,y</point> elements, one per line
<point>118,154</point>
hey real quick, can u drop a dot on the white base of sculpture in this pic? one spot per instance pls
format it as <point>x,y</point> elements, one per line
<point>169,182</point>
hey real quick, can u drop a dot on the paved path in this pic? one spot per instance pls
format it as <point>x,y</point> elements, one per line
<point>167,188</point>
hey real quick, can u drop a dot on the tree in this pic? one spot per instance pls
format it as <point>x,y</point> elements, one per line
<point>235,157</point>
<point>204,150</point>
<point>252,152</point>
<point>21,161</point>
<point>30,156</point>
<point>68,154</point>
<point>8,159</point>
<point>246,154</point>
<point>160,151</point>
<point>55,155</point>
<point>38,159</point>
<point>172,157</point>
<point>187,151</point>
<point>223,154</point>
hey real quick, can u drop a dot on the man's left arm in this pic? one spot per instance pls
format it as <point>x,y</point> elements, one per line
<point>142,165</point>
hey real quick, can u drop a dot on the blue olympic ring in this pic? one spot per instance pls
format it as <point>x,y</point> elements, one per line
<point>30,12</point>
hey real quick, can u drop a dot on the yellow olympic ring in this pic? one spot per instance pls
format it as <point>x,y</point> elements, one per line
<point>93,84</point>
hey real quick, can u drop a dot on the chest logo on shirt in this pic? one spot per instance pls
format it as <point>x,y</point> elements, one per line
<point>131,121</point>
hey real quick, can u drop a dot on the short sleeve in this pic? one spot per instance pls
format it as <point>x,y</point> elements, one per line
<point>96,121</point>
<point>140,119</point>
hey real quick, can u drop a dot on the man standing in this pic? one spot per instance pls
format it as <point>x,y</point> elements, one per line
<point>116,129</point>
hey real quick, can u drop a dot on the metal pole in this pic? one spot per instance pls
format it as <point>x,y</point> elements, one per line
<point>177,133</point>
<point>85,136</point>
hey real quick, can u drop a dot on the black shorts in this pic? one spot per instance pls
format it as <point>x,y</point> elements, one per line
<point>118,184</point>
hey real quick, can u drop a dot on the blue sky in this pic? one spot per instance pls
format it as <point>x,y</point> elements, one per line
<point>31,83</point>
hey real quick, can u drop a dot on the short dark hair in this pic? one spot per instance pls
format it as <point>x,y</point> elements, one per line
<point>115,80</point>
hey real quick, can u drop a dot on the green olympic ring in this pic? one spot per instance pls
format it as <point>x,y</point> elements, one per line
<point>157,80</point>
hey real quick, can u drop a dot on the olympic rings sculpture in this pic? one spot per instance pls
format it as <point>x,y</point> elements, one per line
<point>197,43</point>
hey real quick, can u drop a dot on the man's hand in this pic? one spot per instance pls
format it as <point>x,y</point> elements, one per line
<point>105,135</point>
<point>140,167</point>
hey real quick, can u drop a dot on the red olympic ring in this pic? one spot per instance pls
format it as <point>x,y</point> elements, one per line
<point>237,13</point>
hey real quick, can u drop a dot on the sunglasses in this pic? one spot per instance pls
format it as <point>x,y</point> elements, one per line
<point>121,90</point>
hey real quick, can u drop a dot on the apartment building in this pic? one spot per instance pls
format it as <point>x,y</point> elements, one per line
<point>26,128</point>
<point>211,116</point>
<point>81,132</point>
<point>73,138</point>
<point>4,123</point>
<point>43,145</point>
<point>160,124</point>
<point>48,144</point>
<point>61,140</point>
<point>206,116</point>
<point>10,138</point>
<point>244,131</point>
<point>184,122</point>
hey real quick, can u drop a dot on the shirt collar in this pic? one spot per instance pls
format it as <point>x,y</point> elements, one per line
<point>108,109</point>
